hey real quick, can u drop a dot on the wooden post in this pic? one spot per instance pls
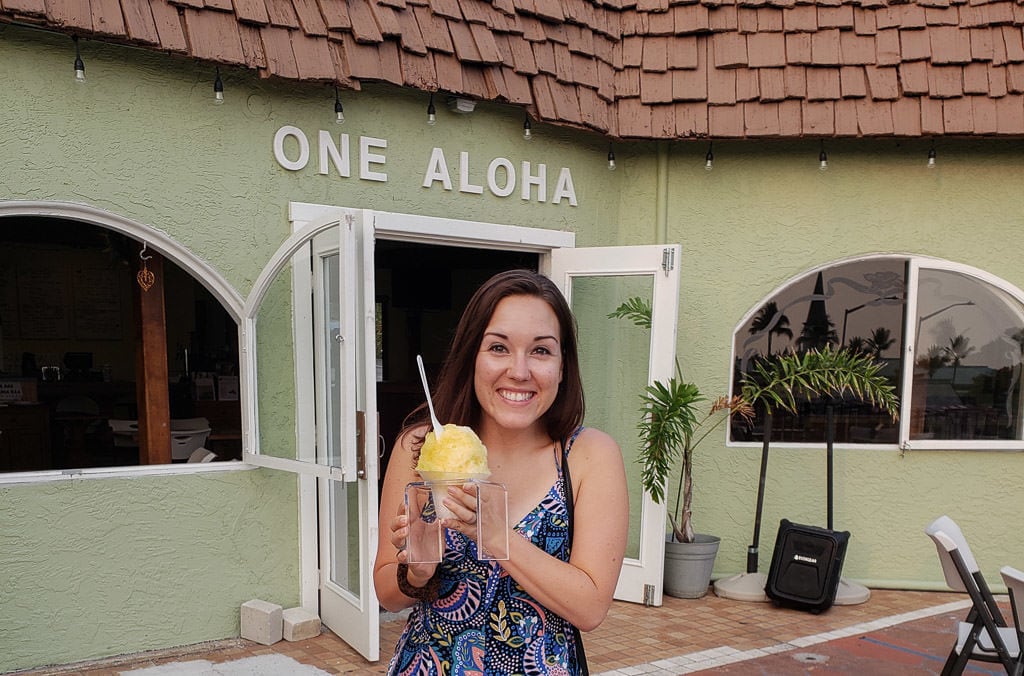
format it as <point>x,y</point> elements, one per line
<point>152,393</point>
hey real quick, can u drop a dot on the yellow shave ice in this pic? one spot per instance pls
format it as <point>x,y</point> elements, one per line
<point>459,453</point>
<point>457,456</point>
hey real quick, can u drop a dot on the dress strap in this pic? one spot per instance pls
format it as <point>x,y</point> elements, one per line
<point>568,447</point>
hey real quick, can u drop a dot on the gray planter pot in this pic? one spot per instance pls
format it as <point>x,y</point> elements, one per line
<point>688,566</point>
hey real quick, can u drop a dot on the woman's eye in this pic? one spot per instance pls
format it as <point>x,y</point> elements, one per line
<point>497,347</point>
<point>540,349</point>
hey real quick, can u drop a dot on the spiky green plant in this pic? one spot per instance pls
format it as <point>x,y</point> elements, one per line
<point>779,382</point>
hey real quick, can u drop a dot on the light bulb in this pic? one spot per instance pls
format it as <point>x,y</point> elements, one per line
<point>79,64</point>
<point>931,158</point>
<point>709,160</point>
<point>431,112</point>
<point>611,159</point>
<point>339,111</point>
<point>822,160</point>
<point>527,129</point>
<point>218,89</point>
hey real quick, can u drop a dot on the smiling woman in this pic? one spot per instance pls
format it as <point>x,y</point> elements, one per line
<point>516,344</point>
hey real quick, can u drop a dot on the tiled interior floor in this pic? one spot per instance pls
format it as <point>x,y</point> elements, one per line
<point>630,641</point>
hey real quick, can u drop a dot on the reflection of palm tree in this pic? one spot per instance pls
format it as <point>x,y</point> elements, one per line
<point>881,340</point>
<point>858,345</point>
<point>1017,336</point>
<point>769,319</point>
<point>933,360</point>
<point>957,350</point>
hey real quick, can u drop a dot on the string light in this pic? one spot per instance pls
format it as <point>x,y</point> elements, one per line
<point>79,64</point>
<point>339,110</point>
<point>931,156</point>
<point>218,88</point>
<point>709,159</point>
<point>611,158</point>
<point>527,128</point>
<point>822,158</point>
<point>431,111</point>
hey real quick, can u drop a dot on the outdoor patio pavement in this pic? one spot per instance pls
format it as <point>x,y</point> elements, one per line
<point>894,632</point>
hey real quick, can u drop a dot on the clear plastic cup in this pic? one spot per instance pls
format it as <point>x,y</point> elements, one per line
<point>424,505</point>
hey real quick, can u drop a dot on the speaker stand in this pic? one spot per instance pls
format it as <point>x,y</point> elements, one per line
<point>850,593</point>
<point>743,587</point>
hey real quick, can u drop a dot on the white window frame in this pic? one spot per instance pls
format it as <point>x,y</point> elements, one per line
<point>915,263</point>
<point>171,250</point>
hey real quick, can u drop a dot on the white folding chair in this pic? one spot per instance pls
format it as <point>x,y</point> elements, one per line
<point>1014,580</point>
<point>983,634</point>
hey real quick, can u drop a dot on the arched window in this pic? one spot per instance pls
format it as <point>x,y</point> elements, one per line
<point>949,338</point>
<point>71,363</point>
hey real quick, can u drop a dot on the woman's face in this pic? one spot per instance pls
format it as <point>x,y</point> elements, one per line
<point>519,362</point>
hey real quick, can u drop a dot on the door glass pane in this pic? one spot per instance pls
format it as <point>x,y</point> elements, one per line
<point>858,305</point>
<point>343,496</point>
<point>344,530</point>
<point>275,369</point>
<point>615,362</point>
<point>967,371</point>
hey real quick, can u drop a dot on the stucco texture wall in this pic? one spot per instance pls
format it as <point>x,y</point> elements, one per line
<point>103,566</point>
<point>766,214</point>
<point>92,567</point>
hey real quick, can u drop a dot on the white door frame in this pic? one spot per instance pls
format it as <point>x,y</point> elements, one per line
<point>406,228</point>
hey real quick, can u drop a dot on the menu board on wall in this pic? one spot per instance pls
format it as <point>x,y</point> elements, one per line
<point>42,304</point>
<point>97,304</point>
<point>82,302</point>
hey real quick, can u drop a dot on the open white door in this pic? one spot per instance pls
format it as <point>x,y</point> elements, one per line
<point>308,331</point>
<point>618,360</point>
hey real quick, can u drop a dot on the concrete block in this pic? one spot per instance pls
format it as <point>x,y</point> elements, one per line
<point>300,624</point>
<point>262,622</point>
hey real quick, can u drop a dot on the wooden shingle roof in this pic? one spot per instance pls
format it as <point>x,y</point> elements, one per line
<point>647,69</point>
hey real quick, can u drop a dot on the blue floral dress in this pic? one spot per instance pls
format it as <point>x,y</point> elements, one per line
<point>484,623</point>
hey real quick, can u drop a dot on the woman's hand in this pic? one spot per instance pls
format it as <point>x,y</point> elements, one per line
<point>464,501</point>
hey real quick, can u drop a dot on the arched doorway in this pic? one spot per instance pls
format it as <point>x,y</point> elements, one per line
<point>78,371</point>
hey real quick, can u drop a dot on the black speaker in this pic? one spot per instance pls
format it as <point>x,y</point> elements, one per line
<point>806,566</point>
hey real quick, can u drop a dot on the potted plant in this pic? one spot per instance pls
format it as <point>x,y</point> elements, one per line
<point>671,426</point>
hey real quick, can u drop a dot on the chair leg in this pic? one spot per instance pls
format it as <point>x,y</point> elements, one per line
<point>955,663</point>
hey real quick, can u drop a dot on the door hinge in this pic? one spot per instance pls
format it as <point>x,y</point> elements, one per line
<point>648,594</point>
<point>668,260</point>
<point>361,444</point>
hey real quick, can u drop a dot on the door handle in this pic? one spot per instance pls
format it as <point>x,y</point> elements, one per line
<point>360,445</point>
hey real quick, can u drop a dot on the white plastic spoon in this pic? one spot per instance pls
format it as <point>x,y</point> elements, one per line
<point>438,429</point>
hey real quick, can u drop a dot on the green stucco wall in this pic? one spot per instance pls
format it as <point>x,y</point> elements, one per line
<point>100,566</point>
<point>767,214</point>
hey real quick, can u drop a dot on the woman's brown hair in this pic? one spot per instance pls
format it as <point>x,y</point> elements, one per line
<point>454,396</point>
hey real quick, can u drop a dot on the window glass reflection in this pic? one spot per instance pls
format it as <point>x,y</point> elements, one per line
<point>968,360</point>
<point>858,305</point>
